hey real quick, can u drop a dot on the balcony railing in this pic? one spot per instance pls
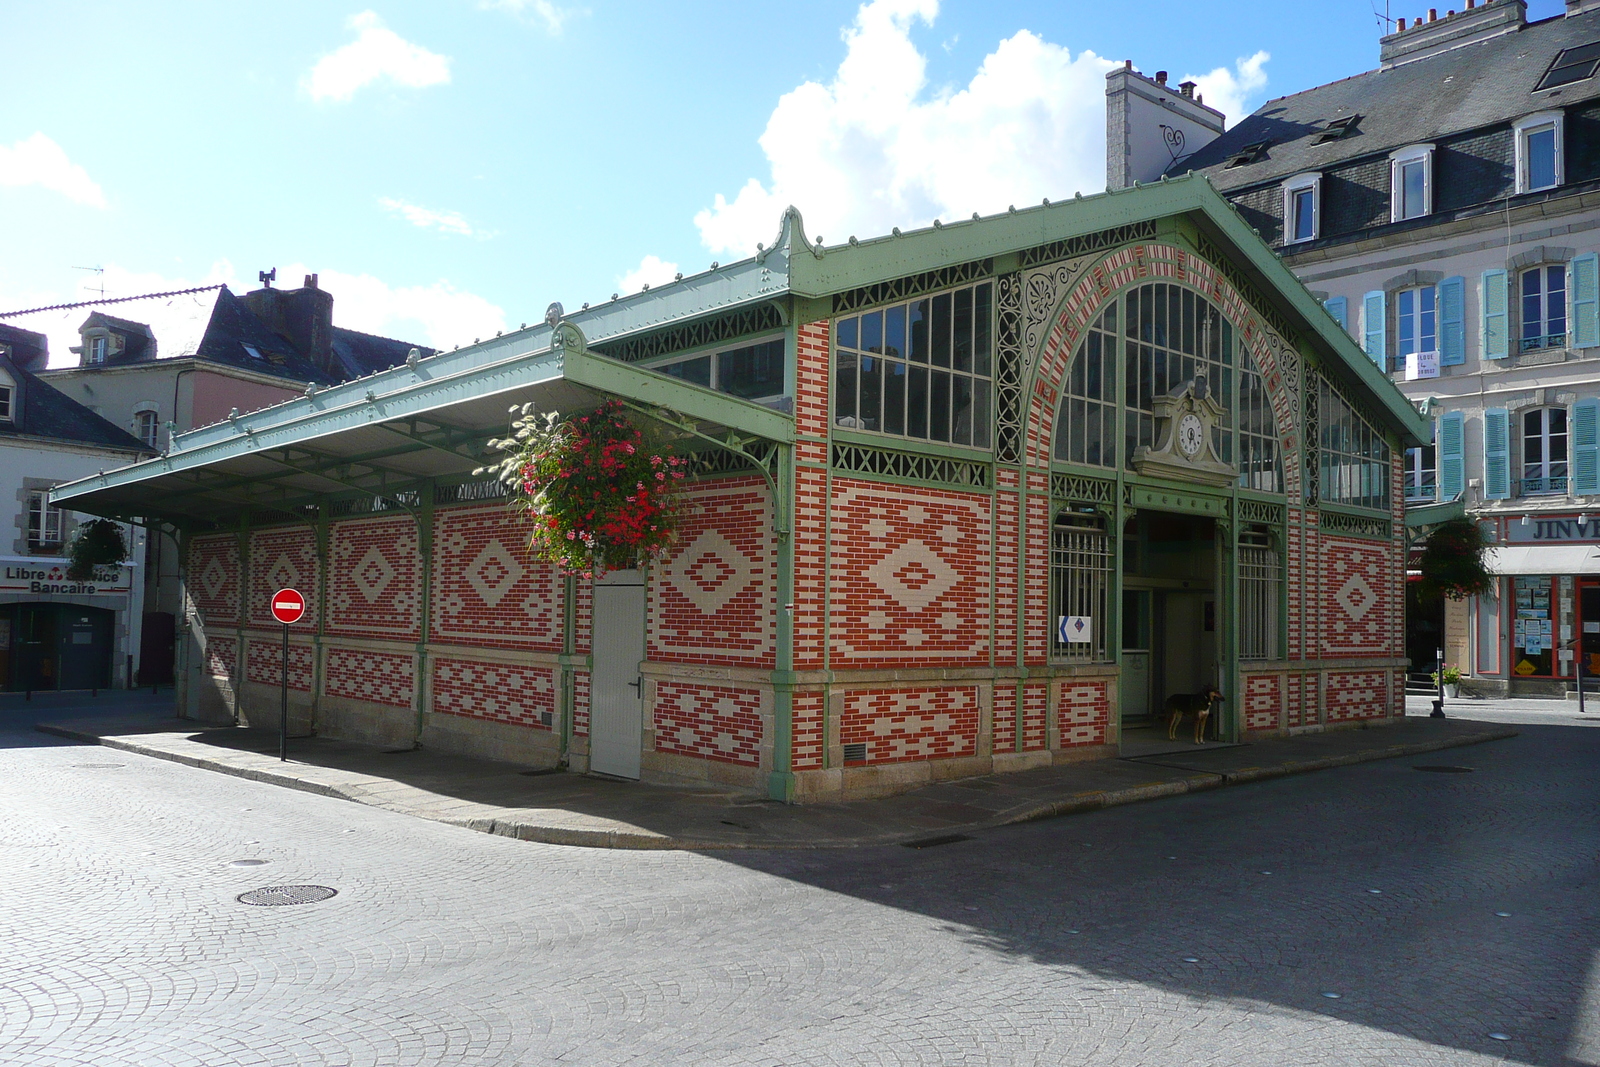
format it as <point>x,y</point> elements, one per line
<point>1417,493</point>
<point>1541,486</point>
<point>1549,340</point>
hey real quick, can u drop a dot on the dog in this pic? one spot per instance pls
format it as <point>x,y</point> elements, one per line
<point>1180,704</point>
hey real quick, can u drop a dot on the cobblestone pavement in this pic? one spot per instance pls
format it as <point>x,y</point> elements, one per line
<point>1205,929</point>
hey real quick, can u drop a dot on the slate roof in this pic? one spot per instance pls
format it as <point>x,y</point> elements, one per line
<point>28,349</point>
<point>140,341</point>
<point>233,325</point>
<point>1466,88</point>
<point>42,410</point>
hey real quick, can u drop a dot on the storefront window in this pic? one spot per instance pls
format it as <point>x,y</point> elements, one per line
<point>1532,628</point>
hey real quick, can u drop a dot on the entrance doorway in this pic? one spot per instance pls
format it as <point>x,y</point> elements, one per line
<point>616,710</point>
<point>1169,621</point>
<point>55,646</point>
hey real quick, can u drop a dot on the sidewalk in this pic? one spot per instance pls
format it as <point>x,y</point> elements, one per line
<point>572,809</point>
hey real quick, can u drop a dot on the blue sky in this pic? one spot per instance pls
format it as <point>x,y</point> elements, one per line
<point>450,167</point>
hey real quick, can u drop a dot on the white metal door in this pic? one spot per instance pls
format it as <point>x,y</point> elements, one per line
<point>616,711</point>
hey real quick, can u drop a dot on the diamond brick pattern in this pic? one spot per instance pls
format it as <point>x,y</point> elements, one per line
<point>910,576</point>
<point>495,692</point>
<point>487,591</point>
<point>809,737</point>
<point>1360,596</point>
<point>373,677</point>
<point>213,578</point>
<point>1263,699</point>
<point>263,663</point>
<point>373,583</point>
<point>222,656</point>
<point>282,558</point>
<point>1083,713</point>
<point>1355,695</point>
<point>714,722</point>
<point>711,601</point>
<point>912,724</point>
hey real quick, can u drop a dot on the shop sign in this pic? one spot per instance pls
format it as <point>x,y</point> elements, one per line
<point>45,577</point>
<point>1555,530</point>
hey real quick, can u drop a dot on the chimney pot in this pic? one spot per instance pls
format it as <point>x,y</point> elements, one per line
<point>1187,89</point>
<point>1127,64</point>
<point>311,281</point>
<point>1161,77</point>
<point>1402,28</point>
<point>1471,4</point>
<point>1433,14</point>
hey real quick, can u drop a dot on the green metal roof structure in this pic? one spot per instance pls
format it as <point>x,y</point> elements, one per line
<point>430,418</point>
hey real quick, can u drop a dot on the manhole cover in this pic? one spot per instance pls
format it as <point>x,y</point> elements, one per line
<point>1440,768</point>
<point>277,896</point>
<point>248,863</point>
<point>99,766</point>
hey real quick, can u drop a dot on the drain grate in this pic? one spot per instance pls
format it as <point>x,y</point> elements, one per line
<point>931,842</point>
<point>1443,768</point>
<point>277,896</point>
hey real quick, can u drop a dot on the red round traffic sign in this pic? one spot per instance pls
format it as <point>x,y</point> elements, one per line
<point>288,605</point>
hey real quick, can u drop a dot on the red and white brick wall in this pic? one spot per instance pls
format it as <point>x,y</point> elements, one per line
<point>721,723</point>
<point>807,718</point>
<point>493,692</point>
<point>264,663</point>
<point>1003,719</point>
<point>488,591</point>
<point>222,656</point>
<point>813,372</point>
<point>1359,597</point>
<point>371,677</point>
<point>212,578</point>
<point>901,725</point>
<point>910,576</point>
<point>373,583</point>
<point>712,601</point>
<point>283,558</point>
<point>1353,695</point>
<point>1263,701</point>
<point>1035,716</point>
<point>1083,712</point>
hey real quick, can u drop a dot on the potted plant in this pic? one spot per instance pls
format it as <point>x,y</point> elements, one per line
<point>600,497</point>
<point>1452,680</point>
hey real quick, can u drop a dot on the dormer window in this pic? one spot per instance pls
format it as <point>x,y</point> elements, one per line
<point>94,349</point>
<point>1302,208</point>
<point>1337,129</point>
<point>1250,153</point>
<point>1539,154</point>
<point>1411,195</point>
<point>8,395</point>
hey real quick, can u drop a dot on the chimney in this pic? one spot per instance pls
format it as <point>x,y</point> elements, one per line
<point>1578,7</point>
<point>1152,127</point>
<point>303,317</point>
<point>1430,37</point>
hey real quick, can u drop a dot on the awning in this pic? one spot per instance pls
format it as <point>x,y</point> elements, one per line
<point>1543,559</point>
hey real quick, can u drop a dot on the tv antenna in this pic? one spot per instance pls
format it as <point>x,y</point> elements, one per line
<point>101,288</point>
<point>1383,17</point>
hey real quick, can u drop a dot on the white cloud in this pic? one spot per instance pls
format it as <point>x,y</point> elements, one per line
<point>547,14</point>
<point>652,270</point>
<point>429,219</point>
<point>437,314</point>
<point>1229,91</point>
<point>376,53</point>
<point>871,149</point>
<point>38,160</point>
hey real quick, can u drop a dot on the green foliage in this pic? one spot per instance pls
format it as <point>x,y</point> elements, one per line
<point>598,496</point>
<point>98,543</point>
<point>1452,675</point>
<point>1452,561</point>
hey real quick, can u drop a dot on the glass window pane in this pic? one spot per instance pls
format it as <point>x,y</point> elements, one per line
<point>753,372</point>
<point>1542,158</point>
<point>917,402</point>
<point>961,400</point>
<point>941,330</point>
<point>894,340</point>
<point>846,337</point>
<point>982,313</point>
<point>872,332</point>
<point>696,370</point>
<point>844,389</point>
<point>939,407</point>
<point>894,397</point>
<point>961,338</point>
<point>980,413</point>
<point>871,392</point>
<point>1305,219</point>
<point>1411,177</point>
<point>918,310</point>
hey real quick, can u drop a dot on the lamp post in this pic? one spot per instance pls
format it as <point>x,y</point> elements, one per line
<point>1438,674</point>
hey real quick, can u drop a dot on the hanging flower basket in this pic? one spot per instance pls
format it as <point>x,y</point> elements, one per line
<point>598,496</point>
<point>97,543</point>
<point>1452,561</point>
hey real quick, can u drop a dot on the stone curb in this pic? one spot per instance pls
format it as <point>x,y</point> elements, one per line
<point>1190,782</point>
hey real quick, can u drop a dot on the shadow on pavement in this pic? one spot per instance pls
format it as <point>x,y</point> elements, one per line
<point>128,711</point>
<point>1266,895</point>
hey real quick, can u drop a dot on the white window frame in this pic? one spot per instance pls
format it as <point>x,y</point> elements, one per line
<point>1542,271</point>
<point>96,347</point>
<point>1546,466</point>
<point>1416,467</point>
<point>154,435</point>
<point>1397,163</point>
<point>1533,124</point>
<point>44,519</point>
<point>1312,181</point>
<point>1417,314</point>
<point>8,402</point>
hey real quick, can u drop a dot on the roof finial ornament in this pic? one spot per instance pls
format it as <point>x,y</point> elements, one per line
<point>553,314</point>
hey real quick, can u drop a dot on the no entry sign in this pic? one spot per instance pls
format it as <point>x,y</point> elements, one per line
<point>288,605</point>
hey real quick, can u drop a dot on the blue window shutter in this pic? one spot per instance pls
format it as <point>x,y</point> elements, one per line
<point>1452,322</point>
<point>1586,448</point>
<point>1374,326</point>
<point>1339,308</point>
<point>1452,456</point>
<point>1496,323</point>
<point>1583,282</point>
<point>1496,454</point>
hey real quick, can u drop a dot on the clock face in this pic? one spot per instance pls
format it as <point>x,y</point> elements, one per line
<point>1191,434</point>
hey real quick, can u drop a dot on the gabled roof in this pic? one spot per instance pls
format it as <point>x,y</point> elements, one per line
<point>1467,88</point>
<point>233,326</point>
<point>42,411</point>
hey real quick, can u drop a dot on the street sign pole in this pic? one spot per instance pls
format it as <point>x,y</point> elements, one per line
<point>287,607</point>
<point>283,715</point>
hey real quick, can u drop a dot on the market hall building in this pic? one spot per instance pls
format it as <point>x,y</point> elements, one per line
<point>970,499</point>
